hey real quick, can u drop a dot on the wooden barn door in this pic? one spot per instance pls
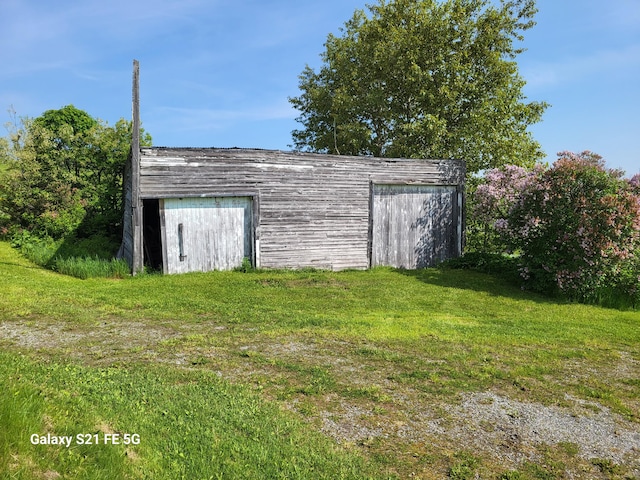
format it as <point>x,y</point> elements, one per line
<point>203,234</point>
<point>414,226</point>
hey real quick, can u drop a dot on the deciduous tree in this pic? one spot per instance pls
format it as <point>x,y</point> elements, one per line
<point>424,78</point>
<point>62,172</point>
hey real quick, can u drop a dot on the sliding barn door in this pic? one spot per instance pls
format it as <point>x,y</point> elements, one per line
<point>203,234</point>
<point>414,226</point>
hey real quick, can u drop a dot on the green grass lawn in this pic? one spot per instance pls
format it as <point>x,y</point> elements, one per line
<point>264,374</point>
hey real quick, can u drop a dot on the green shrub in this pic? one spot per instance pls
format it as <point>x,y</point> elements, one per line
<point>40,251</point>
<point>622,291</point>
<point>62,173</point>
<point>82,258</point>
<point>95,246</point>
<point>575,227</point>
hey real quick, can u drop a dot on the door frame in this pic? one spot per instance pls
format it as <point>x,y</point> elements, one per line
<point>457,214</point>
<point>254,230</point>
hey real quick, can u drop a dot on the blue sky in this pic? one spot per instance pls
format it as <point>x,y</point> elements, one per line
<point>219,72</point>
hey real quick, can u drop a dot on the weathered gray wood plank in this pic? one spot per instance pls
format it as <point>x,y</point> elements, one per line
<point>204,234</point>
<point>315,210</point>
<point>413,226</point>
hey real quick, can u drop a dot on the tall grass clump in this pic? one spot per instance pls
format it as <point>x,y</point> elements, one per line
<point>81,258</point>
<point>89,267</point>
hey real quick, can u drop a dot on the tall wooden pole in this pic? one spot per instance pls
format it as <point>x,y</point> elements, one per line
<point>136,203</point>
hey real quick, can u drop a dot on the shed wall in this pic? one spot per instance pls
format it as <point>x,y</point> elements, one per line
<point>126,251</point>
<point>314,209</point>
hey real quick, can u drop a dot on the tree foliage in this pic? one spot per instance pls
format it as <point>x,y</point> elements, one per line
<point>62,173</point>
<point>423,79</point>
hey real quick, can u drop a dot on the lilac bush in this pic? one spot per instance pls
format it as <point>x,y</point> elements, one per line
<point>491,201</point>
<point>575,226</point>
<point>634,184</point>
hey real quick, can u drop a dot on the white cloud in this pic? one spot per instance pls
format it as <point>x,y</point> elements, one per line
<point>35,39</point>
<point>40,36</point>
<point>189,119</point>
<point>570,70</point>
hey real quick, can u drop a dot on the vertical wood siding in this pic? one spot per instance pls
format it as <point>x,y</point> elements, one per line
<point>414,226</point>
<point>203,234</point>
<point>314,210</point>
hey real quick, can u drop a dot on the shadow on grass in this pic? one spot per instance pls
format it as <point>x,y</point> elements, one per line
<point>506,284</point>
<point>499,275</point>
<point>21,265</point>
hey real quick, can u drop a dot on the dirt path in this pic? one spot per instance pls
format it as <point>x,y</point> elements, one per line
<point>586,439</point>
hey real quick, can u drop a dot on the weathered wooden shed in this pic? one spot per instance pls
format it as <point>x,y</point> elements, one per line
<point>200,209</point>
